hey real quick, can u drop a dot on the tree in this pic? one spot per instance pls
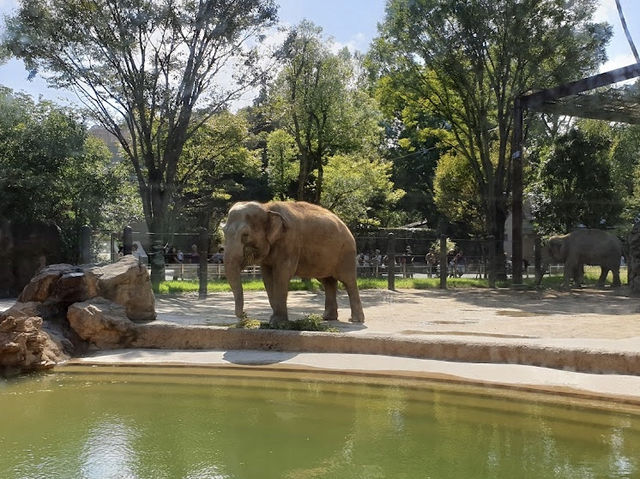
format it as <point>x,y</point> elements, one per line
<point>467,61</point>
<point>142,68</point>
<point>575,184</point>
<point>280,168</point>
<point>214,162</point>
<point>412,147</point>
<point>51,170</point>
<point>457,193</point>
<point>358,189</point>
<point>316,99</point>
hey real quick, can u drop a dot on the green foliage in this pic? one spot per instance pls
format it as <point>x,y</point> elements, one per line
<point>355,185</point>
<point>281,168</point>
<point>311,322</point>
<point>465,62</point>
<point>213,165</point>
<point>142,69</point>
<point>457,194</point>
<point>51,170</point>
<point>575,183</point>
<point>316,100</point>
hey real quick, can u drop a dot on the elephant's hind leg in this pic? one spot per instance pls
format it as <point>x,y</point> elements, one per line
<point>330,301</point>
<point>357,315</point>
<point>616,278</point>
<point>603,277</point>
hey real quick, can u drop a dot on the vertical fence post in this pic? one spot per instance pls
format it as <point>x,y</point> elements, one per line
<point>391,262</point>
<point>85,244</point>
<point>114,250</point>
<point>127,240</point>
<point>537,258</point>
<point>203,253</point>
<point>157,265</point>
<point>493,265</point>
<point>633,260</point>
<point>443,262</point>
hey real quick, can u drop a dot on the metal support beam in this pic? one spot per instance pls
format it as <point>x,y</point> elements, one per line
<point>517,187</point>
<point>534,100</point>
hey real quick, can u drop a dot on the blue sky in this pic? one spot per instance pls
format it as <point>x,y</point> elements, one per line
<point>351,23</point>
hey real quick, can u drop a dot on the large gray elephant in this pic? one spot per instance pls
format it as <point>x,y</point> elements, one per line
<point>580,247</point>
<point>291,239</point>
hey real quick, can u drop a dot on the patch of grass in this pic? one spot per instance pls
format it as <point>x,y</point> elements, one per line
<point>550,282</point>
<point>311,322</point>
<point>248,323</point>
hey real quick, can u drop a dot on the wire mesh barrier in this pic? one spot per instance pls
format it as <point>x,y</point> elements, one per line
<point>198,256</point>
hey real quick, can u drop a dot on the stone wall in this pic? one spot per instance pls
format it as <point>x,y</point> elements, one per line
<point>24,249</point>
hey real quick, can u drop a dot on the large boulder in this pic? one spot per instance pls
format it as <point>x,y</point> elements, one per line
<point>125,283</point>
<point>65,309</point>
<point>102,323</point>
<point>25,347</point>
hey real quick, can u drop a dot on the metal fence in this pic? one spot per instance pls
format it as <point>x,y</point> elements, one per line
<point>197,256</point>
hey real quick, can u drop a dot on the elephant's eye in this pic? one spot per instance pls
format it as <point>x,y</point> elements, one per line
<point>245,237</point>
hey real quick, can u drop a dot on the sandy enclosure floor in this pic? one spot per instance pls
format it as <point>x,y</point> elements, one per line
<point>593,314</point>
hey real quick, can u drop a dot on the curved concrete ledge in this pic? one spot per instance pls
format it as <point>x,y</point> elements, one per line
<point>572,356</point>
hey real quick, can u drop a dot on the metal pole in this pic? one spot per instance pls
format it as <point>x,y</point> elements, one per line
<point>391,262</point>
<point>491,241</point>
<point>516,207</point>
<point>537,258</point>
<point>114,251</point>
<point>203,253</point>
<point>443,262</point>
<point>85,245</point>
<point>127,241</point>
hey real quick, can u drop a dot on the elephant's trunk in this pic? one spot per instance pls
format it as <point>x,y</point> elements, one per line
<point>232,267</point>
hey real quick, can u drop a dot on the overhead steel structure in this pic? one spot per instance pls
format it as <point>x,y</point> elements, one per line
<point>571,99</point>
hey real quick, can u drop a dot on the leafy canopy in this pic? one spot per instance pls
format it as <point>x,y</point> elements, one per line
<point>142,68</point>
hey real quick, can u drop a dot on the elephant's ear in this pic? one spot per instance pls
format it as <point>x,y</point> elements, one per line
<point>275,226</point>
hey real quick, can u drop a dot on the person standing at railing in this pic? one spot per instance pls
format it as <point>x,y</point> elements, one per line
<point>195,256</point>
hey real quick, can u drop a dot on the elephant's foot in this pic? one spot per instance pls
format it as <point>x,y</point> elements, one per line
<point>329,317</point>
<point>278,322</point>
<point>357,318</point>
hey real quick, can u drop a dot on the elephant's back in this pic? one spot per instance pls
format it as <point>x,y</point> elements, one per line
<point>315,221</point>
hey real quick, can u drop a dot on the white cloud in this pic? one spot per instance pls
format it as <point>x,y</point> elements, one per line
<point>618,61</point>
<point>358,42</point>
<point>606,12</point>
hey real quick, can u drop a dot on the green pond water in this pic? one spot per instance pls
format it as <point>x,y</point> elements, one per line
<point>106,422</point>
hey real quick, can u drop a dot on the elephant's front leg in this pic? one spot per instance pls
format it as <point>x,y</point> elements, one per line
<point>267,279</point>
<point>330,299</point>
<point>569,274</point>
<point>279,279</point>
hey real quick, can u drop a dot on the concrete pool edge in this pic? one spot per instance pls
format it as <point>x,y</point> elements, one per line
<point>582,355</point>
<point>620,390</point>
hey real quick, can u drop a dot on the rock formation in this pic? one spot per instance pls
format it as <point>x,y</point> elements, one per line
<point>24,346</point>
<point>65,309</point>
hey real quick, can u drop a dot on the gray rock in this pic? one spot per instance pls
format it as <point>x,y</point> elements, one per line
<point>102,323</point>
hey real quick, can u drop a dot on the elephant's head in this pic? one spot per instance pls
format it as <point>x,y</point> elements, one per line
<point>249,235</point>
<point>553,251</point>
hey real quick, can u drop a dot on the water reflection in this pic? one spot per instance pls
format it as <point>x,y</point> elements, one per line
<point>193,424</point>
<point>108,451</point>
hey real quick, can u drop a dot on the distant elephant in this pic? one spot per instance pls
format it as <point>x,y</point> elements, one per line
<point>291,239</point>
<point>584,246</point>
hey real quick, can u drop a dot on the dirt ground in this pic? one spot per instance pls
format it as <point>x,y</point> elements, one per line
<point>585,313</point>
